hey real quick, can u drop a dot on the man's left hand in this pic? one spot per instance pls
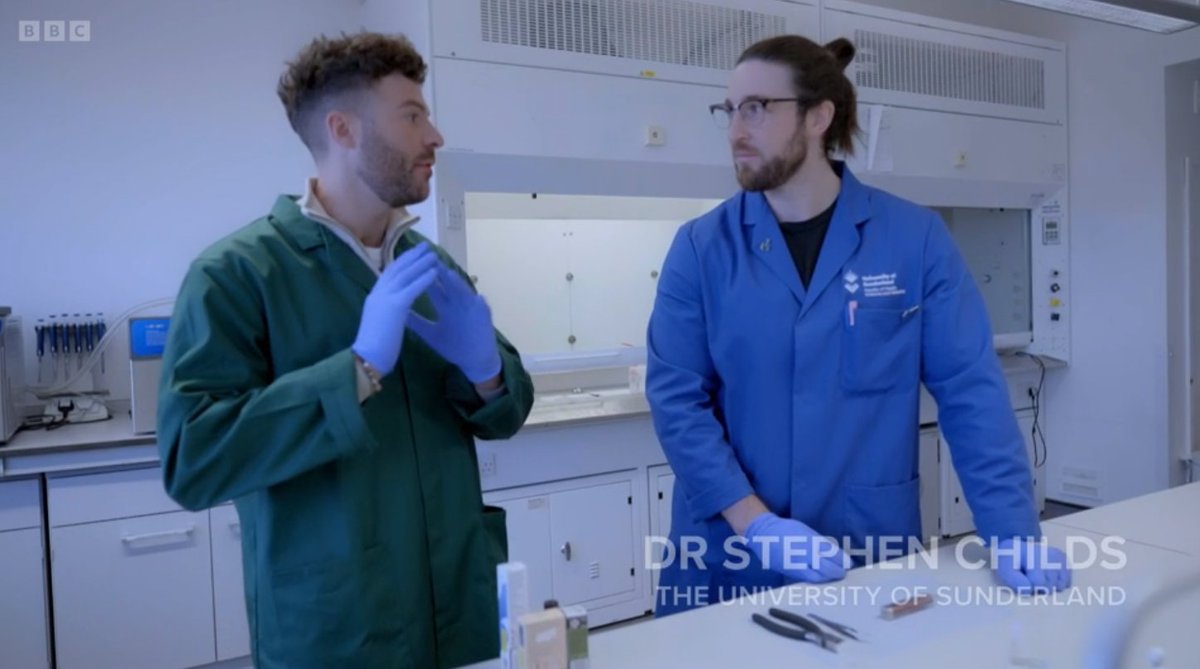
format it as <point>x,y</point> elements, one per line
<point>1028,566</point>
<point>463,332</point>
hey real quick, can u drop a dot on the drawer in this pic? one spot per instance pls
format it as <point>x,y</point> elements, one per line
<point>88,498</point>
<point>133,593</point>
<point>20,504</point>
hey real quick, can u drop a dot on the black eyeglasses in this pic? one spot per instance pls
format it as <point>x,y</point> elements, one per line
<point>752,111</point>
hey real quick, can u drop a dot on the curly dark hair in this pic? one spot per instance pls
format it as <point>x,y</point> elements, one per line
<point>818,73</point>
<point>328,72</point>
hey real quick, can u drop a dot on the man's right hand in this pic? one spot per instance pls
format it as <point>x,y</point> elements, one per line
<point>795,550</point>
<point>385,313</point>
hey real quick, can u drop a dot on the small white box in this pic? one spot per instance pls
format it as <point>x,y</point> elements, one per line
<point>512,594</point>
<point>577,637</point>
<point>542,639</point>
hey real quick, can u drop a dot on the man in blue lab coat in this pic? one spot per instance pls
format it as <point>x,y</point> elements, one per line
<point>793,327</point>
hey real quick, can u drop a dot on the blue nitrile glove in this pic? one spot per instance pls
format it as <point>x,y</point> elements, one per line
<point>463,333</point>
<point>795,550</point>
<point>1028,566</point>
<point>381,329</point>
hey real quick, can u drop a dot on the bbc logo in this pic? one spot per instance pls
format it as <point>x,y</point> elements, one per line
<point>54,31</point>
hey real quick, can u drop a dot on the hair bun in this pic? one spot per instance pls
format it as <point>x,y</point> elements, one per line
<point>843,51</point>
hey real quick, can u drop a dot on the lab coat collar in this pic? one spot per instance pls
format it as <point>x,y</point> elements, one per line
<point>311,207</point>
<point>841,241</point>
<point>853,206</point>
<point>341,255</point>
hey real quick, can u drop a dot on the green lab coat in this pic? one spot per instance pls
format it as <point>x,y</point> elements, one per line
<point>365,541</point>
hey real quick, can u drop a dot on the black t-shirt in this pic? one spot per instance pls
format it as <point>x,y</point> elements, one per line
<point>804,240</point>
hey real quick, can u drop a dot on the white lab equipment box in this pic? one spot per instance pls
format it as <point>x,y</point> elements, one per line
<point>147,339</point>
<point>12,374</point>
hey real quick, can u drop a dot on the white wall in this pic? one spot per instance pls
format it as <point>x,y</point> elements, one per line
<point>1108,412</point>
<point>126,155</point>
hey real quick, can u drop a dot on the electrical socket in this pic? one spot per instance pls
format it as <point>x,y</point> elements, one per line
<point>655,135</point>
<point>487,465</point>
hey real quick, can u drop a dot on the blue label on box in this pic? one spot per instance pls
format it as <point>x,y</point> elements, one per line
<point>147,337</point>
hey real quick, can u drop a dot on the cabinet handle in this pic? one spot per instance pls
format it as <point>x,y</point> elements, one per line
<point>566,550</point>
<point>159,538</point>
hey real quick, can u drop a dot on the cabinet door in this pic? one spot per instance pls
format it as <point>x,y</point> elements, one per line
<point>23,640</point>
<point>229,598</point>
<point>135,592</point>
<point>662,488</point>
<point>956,515</point>
<point>592,534</point>
<point>528,520</point>
<point>931,484</point>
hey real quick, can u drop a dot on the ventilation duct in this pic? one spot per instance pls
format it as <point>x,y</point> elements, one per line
<point>1161,16</point>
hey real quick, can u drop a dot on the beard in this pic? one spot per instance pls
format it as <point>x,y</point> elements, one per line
<point>775,172</point>
<point>389,174</point>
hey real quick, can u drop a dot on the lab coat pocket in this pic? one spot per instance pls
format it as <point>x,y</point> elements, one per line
<point>883,518</point>
<point>338,611</point>
<point>496,526</point>
<point>880,349</point>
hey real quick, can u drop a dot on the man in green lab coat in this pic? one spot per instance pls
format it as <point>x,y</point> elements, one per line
<point>328,369</point>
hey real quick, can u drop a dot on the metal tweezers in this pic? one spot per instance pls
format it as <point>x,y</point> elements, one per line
<point>808,630</point>
<point>844,630</point>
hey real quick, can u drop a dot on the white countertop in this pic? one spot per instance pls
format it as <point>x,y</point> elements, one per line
<point>970,625</point>
<point>116,431</point>
<point>548,410</point>
<point>74,447</point>
<point>1166,519</point>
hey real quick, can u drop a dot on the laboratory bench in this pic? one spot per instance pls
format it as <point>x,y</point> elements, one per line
<point>973,622</point>
<point>1157,519</point>
<point>74,447</point>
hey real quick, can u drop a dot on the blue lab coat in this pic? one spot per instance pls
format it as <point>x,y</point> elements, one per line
<point>758,385</point>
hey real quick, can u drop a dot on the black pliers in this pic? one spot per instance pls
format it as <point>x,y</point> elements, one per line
<point>807,629</point>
